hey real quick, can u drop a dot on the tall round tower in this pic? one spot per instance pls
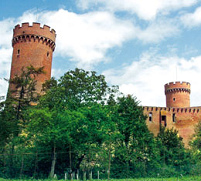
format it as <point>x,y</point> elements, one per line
<point>33,45</point>
<point>177,94</point>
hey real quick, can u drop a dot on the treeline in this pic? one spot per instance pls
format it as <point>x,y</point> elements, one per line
<point>78,125</point>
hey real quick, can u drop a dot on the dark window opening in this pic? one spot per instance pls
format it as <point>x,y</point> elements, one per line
<point>48,54</point>
<point>150,116</point>
<point>174,99</point>
<point>163,119</point>
<point>18,52</point>
<point>173,118</point>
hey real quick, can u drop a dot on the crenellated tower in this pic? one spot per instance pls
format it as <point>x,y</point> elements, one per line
<point>177,94</point>
<point>33,45</point>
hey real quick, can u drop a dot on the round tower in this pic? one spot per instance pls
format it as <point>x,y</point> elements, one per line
<point>33,45</point>
<point>177,94</point>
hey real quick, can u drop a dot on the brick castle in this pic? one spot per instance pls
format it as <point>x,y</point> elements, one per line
<point>34,45</point>
<point>177,114</point>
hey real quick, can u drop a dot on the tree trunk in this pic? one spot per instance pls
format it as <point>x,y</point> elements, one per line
<point>22,166</point>
<point>53,162</point>
<point>109,161</point>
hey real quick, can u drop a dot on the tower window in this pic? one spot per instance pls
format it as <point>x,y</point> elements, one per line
<point>150,116</point>
<point>18,52</point>
<point>48,54</point>
<point>163,119</point>
<point>173,118</point>
<point>174,99</point>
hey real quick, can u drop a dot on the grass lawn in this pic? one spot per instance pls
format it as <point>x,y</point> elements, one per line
<point>196,178</point>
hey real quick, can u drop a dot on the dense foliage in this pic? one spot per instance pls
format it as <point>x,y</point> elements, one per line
<point>83,128</point>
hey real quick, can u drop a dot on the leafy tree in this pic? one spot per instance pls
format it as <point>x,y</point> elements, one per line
<point>72,104</point>
<point>172,150</point>
<point>20,95</point>
<point>196,142</point>
<point>195,145</point>
<point>134,148</point>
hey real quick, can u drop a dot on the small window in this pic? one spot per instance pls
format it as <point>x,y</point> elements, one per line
<point>173,118</point>
<point>150,116</point>
<point>163,119</point>
<point>48,54</point>
<point>18,52</point>
<point>174,99</point>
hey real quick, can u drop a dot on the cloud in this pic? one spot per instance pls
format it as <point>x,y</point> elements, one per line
<point>192,19</point>
<point>158,30</point>
<point>146,78</point>
<point>145,9</point>
<point>6,32</point>
<point>5,52</point>
<point>85,38</point>
<point>3,88</point>
<point>5,62</point>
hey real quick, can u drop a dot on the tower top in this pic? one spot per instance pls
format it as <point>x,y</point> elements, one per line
<point>175,86</point>
<point>177,94</point>
<point>35,29</point>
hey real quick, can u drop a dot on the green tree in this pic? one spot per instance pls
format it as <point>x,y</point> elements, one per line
<point>77,93</point>
<point>134,148</point>
<point>195,146</point>
<point>173,154</point>
<point>21,94</point>
<point>196,141</point>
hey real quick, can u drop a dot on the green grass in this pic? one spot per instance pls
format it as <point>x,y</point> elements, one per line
<point>196,178</point>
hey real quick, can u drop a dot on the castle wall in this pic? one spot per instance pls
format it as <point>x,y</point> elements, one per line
<point>182,119</point>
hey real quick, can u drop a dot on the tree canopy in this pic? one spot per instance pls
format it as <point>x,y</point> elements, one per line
<point>81,125</point>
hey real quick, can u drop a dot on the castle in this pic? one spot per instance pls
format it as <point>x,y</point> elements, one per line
<point>177,114</point>
<point>33,45</point>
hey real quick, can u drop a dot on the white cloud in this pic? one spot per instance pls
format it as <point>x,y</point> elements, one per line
<point>192,19</point>
<point>6,27</point>
<point>144,9</point>
<point>87,37</point>
<point>5,62</point>
<point>146,78</point>
<point>3,87</point>
<point>158,30</point>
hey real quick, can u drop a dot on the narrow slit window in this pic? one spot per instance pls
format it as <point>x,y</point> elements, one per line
<point>48,54</point>
<point>173,118</point>
<point>150,116</point>
<point>163,119</point>
<point>18,52</point>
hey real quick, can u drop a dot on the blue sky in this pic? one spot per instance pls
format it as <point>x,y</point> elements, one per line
<point>139,45</point>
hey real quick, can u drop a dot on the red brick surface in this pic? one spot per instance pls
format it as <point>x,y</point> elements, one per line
<point>33,45</point>
<point>186,117</point>
<point>177,94</point>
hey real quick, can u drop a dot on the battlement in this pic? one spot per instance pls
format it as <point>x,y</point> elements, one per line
<point>172,109</point>
<point>35,29</point>
<point>35,32</point>
<point>177,86</point>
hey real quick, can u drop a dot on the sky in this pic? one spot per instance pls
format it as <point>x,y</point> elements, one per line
<point>139,45</point>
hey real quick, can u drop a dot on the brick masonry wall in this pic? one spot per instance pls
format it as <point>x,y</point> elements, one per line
<point>186,120</point>
<point>33,45</point>
<point>177,94</point>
